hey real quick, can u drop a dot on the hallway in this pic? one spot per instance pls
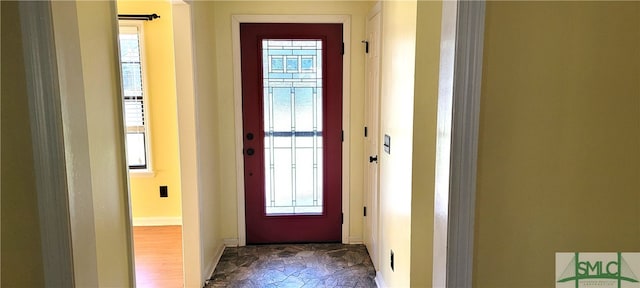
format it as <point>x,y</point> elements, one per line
<point>295,265</point>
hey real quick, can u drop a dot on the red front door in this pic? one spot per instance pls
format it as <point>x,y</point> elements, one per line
<point>292,124</point>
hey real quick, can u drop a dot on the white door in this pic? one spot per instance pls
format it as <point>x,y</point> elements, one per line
<point>372,141</point>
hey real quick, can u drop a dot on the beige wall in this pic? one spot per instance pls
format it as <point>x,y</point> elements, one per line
<point>207,123</point>
<point>101,75</point>
<point>162,115</point>
<point>226,130</point>
<point>215,111</point>
<point>95,78</point>
<point>77,157</point>
<point>424,141</point>
<point>559,143</point>
<point>20,250</point>
<point>396,120</point>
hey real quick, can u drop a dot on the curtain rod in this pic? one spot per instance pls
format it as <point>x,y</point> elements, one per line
<point>146,17</point>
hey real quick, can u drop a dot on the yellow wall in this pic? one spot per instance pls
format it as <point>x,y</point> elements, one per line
<point>162,114</point>
<point>559,143</point>
<point>21,252</point>
<point>424,141</point>
<point>225,101</point>
<point>396,120</point>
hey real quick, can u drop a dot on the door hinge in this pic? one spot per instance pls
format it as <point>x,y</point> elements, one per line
<point>365,211</point>
<point>366,132</point>
<point>366,46</point>
<point>341,218</point>
<point>342,51</point>
<point>342,135</point>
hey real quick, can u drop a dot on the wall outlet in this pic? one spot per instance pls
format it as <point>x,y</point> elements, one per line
<point>392,268</point>
<point>164,191</point>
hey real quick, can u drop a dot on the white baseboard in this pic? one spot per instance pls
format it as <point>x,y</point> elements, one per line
<point>355,240</point>
<point>157,221</point>
<point>379,281</point>
<point>230,242</point>
<point>211,266</point>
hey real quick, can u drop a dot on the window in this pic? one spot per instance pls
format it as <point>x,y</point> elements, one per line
<point>293,126</point>
<point>135,100</point>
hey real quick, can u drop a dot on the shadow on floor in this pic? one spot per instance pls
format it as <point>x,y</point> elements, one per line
<point>295,265</point>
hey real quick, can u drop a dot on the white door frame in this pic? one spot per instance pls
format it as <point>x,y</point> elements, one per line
<point>61,151</point>
<point>345,20</point>
<point>462,41</point>
<point>371,231</point>
<point>188,144</point>
<point>464,141</point>
<point>48,139</point>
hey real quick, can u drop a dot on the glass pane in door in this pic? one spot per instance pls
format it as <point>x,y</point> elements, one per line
<point>292,74</point>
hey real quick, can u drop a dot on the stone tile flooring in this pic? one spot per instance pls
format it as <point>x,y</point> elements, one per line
<point>295,265</point>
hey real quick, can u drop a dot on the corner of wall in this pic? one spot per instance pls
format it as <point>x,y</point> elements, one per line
<point>210,265</point>
<point>379,280</point>
<point>429,15</point>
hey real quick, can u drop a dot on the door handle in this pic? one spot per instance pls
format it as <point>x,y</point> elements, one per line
<point>373,159</point>
<point>250,151</point>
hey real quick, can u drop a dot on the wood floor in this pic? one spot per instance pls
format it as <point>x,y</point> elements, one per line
<point>158,256</point>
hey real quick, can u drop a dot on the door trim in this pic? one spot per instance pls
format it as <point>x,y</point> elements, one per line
<point>193,266</point>
<point>457,148</point>
<point>372,217</point>
<point>63,174</point>
<point>467,82</point>
<point>345,20</point>
<point>46,105</point>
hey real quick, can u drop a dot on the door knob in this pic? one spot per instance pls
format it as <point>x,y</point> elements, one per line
<point>373,159</point>
<point>250,151</point>
<point>249,136</point>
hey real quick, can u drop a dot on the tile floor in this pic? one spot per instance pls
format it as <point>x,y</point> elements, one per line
<point>295,265</point>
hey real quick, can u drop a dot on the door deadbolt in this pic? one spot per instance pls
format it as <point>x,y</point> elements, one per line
<point>249,136</point>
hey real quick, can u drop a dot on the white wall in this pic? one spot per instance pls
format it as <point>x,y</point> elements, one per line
<point>207,135</point>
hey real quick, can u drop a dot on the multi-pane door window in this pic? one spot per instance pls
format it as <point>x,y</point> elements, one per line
<point>292,73</point>
<point>134,97</point>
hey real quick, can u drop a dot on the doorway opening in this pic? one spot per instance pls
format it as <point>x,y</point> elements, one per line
<point>345,21</point>
<point>146,52</point>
